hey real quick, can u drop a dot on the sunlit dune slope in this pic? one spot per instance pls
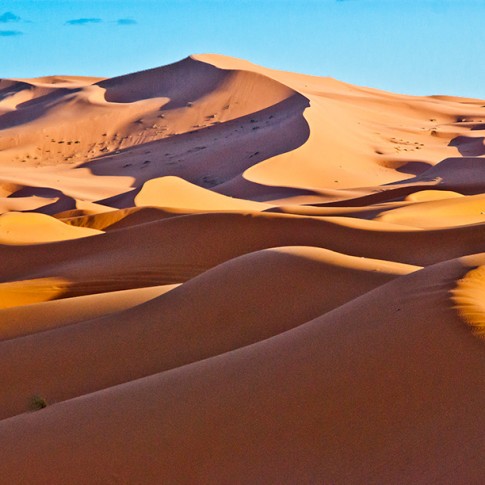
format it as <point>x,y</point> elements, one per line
<point>21,228</point>
<point>218,122</point>
<point>22,318</point>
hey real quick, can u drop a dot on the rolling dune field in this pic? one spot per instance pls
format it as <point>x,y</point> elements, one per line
<point>215,272</point>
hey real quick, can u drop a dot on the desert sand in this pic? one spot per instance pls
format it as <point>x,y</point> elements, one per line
<point>215,272</point>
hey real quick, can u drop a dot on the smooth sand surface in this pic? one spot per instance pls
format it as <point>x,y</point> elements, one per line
<point>262,293</point>
<point>31,228</point>
<point>345,398</point>
<point>174,192</point>
<point>446,212</point>
<point>25,319</point>
<point>215,272</point>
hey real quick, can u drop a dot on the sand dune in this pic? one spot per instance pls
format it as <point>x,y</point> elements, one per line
<point>175,249</point>
<point>454,211</point>
<point>25,319</point>
<point>365,379</point>
<point>222,309</point>
<point>20,204</point>
<point>174,192</point>
<point>22,228</point>
<point>215,272</point>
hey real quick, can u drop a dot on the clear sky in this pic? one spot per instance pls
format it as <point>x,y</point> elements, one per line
<point>407,46</point>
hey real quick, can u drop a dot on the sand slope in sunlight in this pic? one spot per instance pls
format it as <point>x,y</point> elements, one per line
<point>23,228</point>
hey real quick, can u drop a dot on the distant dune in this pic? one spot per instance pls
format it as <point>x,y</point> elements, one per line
<point>215,272</point>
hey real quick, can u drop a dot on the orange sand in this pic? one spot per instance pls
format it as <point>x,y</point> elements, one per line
<point>215,272</point>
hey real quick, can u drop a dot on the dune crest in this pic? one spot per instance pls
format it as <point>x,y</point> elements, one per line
<point>176,193</point>
<point>22,228</point>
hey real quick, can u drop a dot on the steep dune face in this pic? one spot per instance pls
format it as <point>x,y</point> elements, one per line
<point>215,272</point>
<point>362,136</point>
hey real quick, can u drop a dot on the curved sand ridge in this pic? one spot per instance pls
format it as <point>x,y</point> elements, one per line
<point>87,122</point>
<point>20,228</point>
<point>445,212</point>
<point>220,122</point>
<point>174,192</point>
<point>428,195</point>
<point>272,294</point>
<point>162,252</point>
<point>237,303</point>
<point>357,132</point>
<point>23,317</point>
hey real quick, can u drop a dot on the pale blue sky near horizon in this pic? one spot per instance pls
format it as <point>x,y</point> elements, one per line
<point>406,46</point>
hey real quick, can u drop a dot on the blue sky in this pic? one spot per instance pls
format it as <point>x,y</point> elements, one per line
<point>408,46</point>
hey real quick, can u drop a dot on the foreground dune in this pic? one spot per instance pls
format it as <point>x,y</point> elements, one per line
<point>346,398</point>
<point>237,303</point>
<point>215,272</point>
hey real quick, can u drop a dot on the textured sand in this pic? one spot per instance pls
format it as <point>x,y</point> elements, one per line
<point>215,272</point>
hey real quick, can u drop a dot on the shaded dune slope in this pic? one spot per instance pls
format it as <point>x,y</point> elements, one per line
<point>222,309</point>
<point>162,252</point>
<point>291,410</point>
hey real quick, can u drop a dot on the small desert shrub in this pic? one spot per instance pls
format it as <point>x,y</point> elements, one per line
<point>37,402</point>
